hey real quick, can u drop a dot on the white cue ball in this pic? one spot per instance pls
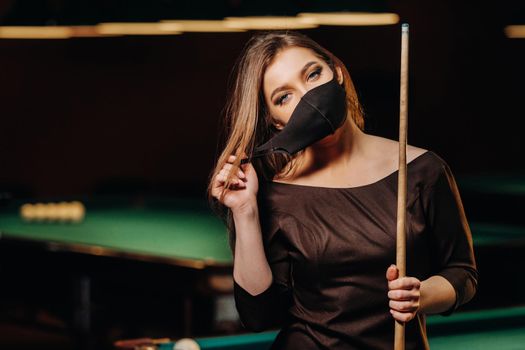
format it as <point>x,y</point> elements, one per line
<point>186,344</point>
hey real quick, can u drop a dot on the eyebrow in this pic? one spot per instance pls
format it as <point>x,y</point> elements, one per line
<point>281,88</point>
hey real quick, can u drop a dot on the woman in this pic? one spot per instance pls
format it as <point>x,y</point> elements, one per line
<point>313,233</point>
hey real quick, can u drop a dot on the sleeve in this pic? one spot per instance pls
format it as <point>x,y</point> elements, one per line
<point>452,248</point>
<point>267,309</point>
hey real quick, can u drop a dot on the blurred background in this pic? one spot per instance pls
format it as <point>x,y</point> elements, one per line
<point>118,105</point>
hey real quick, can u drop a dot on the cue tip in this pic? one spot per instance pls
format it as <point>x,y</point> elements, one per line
<point>404,27</point>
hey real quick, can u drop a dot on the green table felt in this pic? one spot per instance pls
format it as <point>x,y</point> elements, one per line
<point>174,233</point>
<point>507,184</point>
<point>251,341</point>
<point>500,329</point>
<point>485,234</point>
<point>165,232</point>
<point>183,230</point>
<point>504,339</point>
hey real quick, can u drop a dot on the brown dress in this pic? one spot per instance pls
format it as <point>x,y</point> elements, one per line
<point>329,249</point>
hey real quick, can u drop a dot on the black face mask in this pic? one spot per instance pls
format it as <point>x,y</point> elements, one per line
<point>321,111</point>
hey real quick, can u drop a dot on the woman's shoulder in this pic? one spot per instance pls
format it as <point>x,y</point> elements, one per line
<point>389,149</point>
<point>423,163</point>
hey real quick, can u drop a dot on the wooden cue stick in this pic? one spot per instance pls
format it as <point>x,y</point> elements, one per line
<point>399,339</point>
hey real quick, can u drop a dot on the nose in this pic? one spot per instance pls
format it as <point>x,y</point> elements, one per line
<point>302,90</point>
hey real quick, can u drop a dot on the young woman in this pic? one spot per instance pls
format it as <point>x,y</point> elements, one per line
<point>313,233</point>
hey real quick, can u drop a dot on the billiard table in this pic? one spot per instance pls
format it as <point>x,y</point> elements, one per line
<point>126,259</point>
<point>176,245</point>
<point>494,329</point>
<point>181,232</point>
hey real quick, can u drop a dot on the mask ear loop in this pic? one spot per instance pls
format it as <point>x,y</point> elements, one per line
<point>262,154</point>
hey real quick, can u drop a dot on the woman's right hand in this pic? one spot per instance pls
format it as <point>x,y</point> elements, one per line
<point>243,190</point>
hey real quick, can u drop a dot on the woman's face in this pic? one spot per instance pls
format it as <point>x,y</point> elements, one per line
<point>293,72</point>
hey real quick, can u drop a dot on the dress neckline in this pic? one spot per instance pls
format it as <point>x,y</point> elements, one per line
<point>353,187</point>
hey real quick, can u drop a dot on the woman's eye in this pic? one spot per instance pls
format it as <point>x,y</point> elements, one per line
<point>315,73</point>
<point>282,99</point>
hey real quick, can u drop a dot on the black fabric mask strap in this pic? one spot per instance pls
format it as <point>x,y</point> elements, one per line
<point>262,154</point>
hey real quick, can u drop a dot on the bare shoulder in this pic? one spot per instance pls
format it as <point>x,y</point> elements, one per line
<point>390,148</point>
<point>414,152</point>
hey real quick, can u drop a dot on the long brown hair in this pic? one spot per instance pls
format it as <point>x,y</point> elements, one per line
<point>247,122</point>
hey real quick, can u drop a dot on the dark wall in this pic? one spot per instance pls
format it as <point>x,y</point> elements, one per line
<point>80,115</point>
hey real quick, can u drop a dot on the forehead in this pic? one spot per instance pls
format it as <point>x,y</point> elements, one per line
<point>286,65</point>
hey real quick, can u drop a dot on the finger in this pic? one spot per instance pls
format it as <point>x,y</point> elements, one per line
<point>402,316</point>
<point>392,273</point>
<point>217,181</point>
<point>224,175</point>
<point>227,168</point>
<point>217,187</point>
<point>403,306</point>
<point>225,171</point>
<point>215,192</point>
<point>232,157</point>
<point>401,294</point>
<point>235,181</point>
<point>221,177</point>
<point>404,283</point>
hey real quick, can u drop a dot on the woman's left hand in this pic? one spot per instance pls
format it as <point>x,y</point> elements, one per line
<point>404,294</point>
